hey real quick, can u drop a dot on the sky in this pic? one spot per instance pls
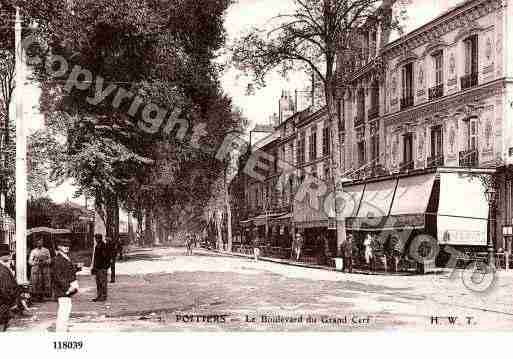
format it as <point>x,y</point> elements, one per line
<point>240,18</point>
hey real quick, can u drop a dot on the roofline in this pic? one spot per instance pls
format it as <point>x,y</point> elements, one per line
<point>440,18</point>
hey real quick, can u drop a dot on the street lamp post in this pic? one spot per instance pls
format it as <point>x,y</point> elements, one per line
<point>490,194</point>
<point>507,232</point>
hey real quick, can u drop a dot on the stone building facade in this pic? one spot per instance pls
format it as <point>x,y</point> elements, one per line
<point>434,107</point>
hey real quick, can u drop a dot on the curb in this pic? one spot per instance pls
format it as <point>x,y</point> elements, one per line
<point>314,266</point>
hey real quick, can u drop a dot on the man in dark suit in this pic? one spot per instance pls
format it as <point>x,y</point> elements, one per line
<point>113,247</point>
<point>9,289</point>
<point>64,281</point>
<point>101,263</point>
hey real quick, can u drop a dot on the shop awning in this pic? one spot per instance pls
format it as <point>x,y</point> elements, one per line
<point>246,223</point>
<point>283,219</point>
<point>394,203</point>
<point>411,200</point>
<point>463,210</point>
<point>262,219</point>
<point>374,206</point>
<point>352,199</point>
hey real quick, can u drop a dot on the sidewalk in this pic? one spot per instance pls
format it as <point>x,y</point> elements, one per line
<point>315,266</point>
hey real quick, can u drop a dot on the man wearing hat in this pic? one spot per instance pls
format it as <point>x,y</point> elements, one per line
<point>101,263</point>
<point>9,289</point>
<point>65,283</point>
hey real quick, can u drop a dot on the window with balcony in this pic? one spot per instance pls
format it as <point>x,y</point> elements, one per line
<point>469,157</point>
<point>373,43</point>
<point>360,107</point>
<point>361,153</point>
<point>407,82</point>
<point>314,171</point>
<point>375,149</point>
<point>313,146</point>
<point>374,109</point>
<point>301,150</point>
<point>437,154</point>
<point>438,89</point>
<point>327,174</point>
<point>407,152</point>
<point>326,141</point>
<point>471,62</point>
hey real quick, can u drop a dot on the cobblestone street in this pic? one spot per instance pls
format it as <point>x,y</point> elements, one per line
<point>164,290</point>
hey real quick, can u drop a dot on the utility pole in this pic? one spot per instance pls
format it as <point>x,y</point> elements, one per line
<point>21,161</point>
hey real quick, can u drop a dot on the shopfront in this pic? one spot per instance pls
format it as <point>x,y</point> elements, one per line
<point>448,204</point>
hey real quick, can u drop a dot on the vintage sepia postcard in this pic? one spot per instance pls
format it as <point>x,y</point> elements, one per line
<point>259,166</point>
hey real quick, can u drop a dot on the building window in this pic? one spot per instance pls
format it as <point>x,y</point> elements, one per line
<point>326,141</point>
<point>472,134</point>
<point>313,146</point>
<point>437,144</point>
<point>360,108</point>
<point>361,153</point>
<point>439,67</point>
<point>436,141</point>
<point>407,151</point>
<point>469,158</point>
<point>407,82</point>
<point>301,150</point>
<point>471,63</point>
<point>373,43</point>
<point>471,55</point>
<point>438,89</point>
<point>374,131</point>
<point>327,171</point>
<point>374,109</point>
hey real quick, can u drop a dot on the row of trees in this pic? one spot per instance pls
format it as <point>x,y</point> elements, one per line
<point>160,50</point>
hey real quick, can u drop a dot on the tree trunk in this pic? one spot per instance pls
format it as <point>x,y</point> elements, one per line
<point>139,217</point>
<point>337,166</point>
<point>148,223</point>
<point>156,230</point>
<point>228,219</point>
<point>219,229</point>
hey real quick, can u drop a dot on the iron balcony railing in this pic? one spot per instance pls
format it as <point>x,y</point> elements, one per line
<point>435,161</point>
<point>359,119</point>
<point>436,91</point>
<point>469,158</point>
<point>406,102</point>
<point>468,81</point>
<point>406,166</point>
<point>373,112</point>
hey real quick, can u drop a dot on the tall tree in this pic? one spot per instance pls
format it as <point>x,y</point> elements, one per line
<point>163,51</point>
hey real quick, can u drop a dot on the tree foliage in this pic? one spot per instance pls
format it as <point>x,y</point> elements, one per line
<point>160,50</point>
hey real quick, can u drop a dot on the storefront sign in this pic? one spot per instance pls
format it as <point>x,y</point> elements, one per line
<point>462,237</point>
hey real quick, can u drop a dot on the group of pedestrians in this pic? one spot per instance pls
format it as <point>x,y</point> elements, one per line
<point>55,277</point>
<point>63,280</point>
<point>190,242</point>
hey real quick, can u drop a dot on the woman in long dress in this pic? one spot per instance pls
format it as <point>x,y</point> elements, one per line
<point>40,274</point>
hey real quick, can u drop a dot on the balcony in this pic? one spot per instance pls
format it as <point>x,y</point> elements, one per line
<point>373,113</point>
<point>359,119</point>
<point>378,170</point>
<point>406,102</point>
<point>468,81</point>
<point>436,91</point>
<point>406,166</point>
<point>435,161</point>
<point>469,158</point>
